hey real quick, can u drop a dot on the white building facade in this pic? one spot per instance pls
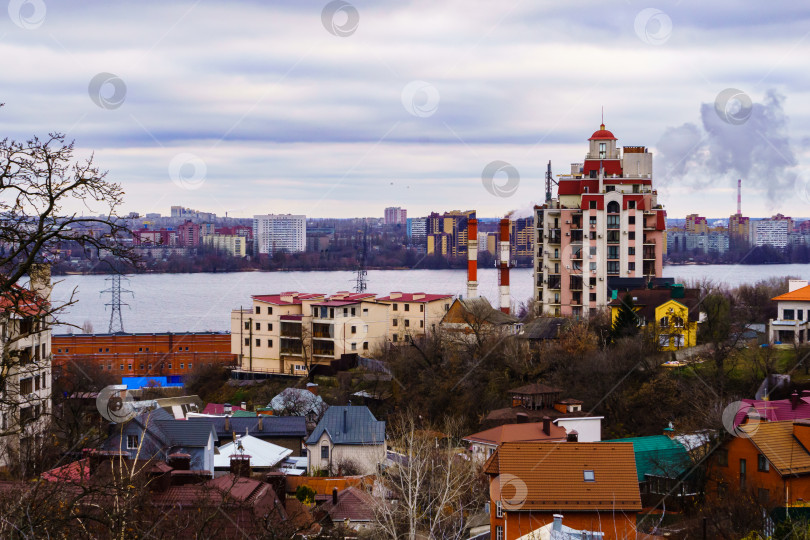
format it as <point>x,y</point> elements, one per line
<point>273,233</point>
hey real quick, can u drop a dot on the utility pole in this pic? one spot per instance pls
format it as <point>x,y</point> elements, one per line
<point>116,320</point>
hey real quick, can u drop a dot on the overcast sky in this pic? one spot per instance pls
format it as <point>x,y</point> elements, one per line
<point>341,109</point>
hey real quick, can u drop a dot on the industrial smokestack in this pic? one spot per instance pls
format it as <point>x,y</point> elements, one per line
<point>503,275</point>
<point>472,258</point>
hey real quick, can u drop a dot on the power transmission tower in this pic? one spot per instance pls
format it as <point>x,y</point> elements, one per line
<point>361,280</point>
<point>116,321</point>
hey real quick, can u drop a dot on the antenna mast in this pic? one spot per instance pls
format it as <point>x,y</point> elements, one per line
<point>116,320</point>
<point>549,180</point>
<point>360,279</point>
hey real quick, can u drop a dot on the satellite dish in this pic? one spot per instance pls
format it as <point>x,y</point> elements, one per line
<point>116,404</point>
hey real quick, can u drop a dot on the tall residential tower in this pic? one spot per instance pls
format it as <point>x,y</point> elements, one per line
<point>604,226</point>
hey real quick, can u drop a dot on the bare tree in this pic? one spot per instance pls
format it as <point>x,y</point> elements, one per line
<point>434,484</point>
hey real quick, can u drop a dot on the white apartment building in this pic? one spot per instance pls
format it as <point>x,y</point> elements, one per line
<point>273,233</point>
<point>231,244</point>
<point>394,215</point>
<point>773,232</point>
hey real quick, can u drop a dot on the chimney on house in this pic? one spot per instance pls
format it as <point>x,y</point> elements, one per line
<point>227,408</point>
<point>669,431</point>
<point>503,273</point>
<point>557,526</point>
<point>334,496</point>
<point>547,425</point>
<point>573,436</point>
<point>472,258</point>
<point>522,418</point>
<point>240,465</point>
<point>244,406</point>
<point>278,481</point>
<point>312,387</point>
<point>794,400</point>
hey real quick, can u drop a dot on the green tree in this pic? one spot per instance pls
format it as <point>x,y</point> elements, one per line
<point>626,323</point>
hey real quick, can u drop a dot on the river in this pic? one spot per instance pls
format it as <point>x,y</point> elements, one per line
<point>202,302</point>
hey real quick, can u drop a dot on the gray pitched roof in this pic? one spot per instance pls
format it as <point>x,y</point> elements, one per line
<point>271,426</point>
<point>480,307</point>
<point>544,328</point>
<point>185,433</point>
<point>349,424</point>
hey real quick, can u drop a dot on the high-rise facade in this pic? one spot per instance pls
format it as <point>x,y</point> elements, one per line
<point>273,233</point>
<point>394,215</point>
<point>447,233</point>
<point>604,226</point>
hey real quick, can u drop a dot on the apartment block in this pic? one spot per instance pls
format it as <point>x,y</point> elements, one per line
<point>696,224</point>
<point>290,332</point>
<point>447,233</point>
<point>273,233</point>
<point>395,215</point>
<point>417,229</point>
<point>231,244</point>
<point>605,225</point>
<point>773,231</point>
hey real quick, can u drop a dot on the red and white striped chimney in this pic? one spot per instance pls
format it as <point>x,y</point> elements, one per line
<point>503,275</point>
<point>472,258</point>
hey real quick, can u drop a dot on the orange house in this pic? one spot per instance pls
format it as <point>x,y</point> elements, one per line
<point>771,460</point>
<point>594,485</point>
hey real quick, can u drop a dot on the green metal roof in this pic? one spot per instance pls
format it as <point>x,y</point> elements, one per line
<point>243,414</point>
<point>658,455</point>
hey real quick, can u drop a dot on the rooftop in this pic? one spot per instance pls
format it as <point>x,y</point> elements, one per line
<point>349,424</point>
<point>518,433</point>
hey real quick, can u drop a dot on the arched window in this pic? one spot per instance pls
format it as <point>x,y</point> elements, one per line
<point>678,322</point>
<point>664,322</point>
<point>613,207</point>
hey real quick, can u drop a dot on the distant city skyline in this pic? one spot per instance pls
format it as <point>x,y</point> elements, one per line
<point>264,107</point>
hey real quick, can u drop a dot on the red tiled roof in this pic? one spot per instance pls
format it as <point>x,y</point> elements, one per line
<point>551,477</point>
<point>602,133</point>
<point>277,298</point>
<point>409,297</point>
<point>353,504</point>
<point>324,485</point>
<point>799,295</point>
<point>346,295</point>
<point>774,411</point>
<point>336,303</point>
<point>532,431</point>
<point>22,301</point>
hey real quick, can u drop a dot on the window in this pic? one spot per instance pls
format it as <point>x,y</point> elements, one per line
<point>181,365</point>
<point>140,349</point>
<point>407,323</point>
<point>354,329</point>
<point>663,341</point>
<point>258,310</point>
<point>421,308</point>
<point>421,324</point>
<point>407,307</point>
<point>394,322</point>
<point>613,252</point>
<point>247,326</point>
<point>258,343</point>
<point>269,310</point>
<point>365,345</point>
<point>631,251</point>
<point>613,267</point>
<point>799,316</point>
<point>762,463</point>
<point>592,234</point>
<point>499,532</point>
<point>189,365</point>
<point>26,386</point>
<point>354,311</point>
<point>602,150</point>
<point>588,475</point>
<point>631,220</point>
<point>556,253</point>
<point>743,470</point>
<point>664,322</point>
<point>592,206</point>
<point>269,326</point>
<point>140,367</point>
<point>258,327</point>
<point>354,346</point>
<point>447,307</point>
<point>498,509</point>
<point>722,457</point>
<point>631,205</point>
<point>170,365</point>
<point>631,266</point>
<point>269,342</point>
<point>592,221</point>
<point>613,207</point>
<point>99,349</point>
<point>129,367</point>
<point>592,297</point>
<point>593,266</point>
<point>36,382</point>
<point>395,307</point>
<point>763,495</point>
<point>325,451</point>
<point>247,342</point>
<point>345,312</point>
<point>677,322</point>
<point>632,236</point>
<point>592,250</point>
<point>787,314</point>
<point>395,337</point>
<point>132,442</point>
<point>150,366</point>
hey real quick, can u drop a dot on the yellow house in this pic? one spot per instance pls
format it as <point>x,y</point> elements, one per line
<point>670,313</point>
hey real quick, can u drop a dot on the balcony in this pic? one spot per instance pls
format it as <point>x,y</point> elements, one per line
<point>576,235</point>
<point>323,348</point>
<point>554,236</point>
<point>575,283</point>
<point>291,347</point>
<point>291,330</point>
<point>323,331</point>
<point>554,281</point>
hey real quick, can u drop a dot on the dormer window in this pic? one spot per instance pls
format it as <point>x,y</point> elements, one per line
<point>588,475</point>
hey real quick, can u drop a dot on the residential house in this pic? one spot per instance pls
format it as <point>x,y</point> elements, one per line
<point>593,484</point>
<point>475,318</point>
<point>414,314</point>
<point>671,313</point>
<point>221,409</point>
<point>535,401</point>
<point>770,460</point>
<point>261,455</point>
<point>25,336</point>
<point>543,329</point>
<point>483,444</point>
<point>154,435</point>
<point>347,437</point>
<point>286,431</point>
<point>352,506</point>
<point>557,531</point>
<point>664,467</point>
<point>792,325</point>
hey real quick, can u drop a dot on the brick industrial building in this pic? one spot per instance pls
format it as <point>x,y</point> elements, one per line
<point>138,355</point>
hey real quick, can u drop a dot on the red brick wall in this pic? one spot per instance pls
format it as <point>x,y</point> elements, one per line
<point>137,351</point>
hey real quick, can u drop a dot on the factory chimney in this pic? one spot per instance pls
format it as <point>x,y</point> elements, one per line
<point>503,273</point>
<point>472,258</point>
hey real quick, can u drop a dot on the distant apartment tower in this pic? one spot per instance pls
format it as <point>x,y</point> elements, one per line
<point>604,226</point>
<point>772,232</point>
<point>696,224</point>
<point>394,215</point>
<point>273,233</point>
<point>417,229</point>
<point>447,233</point>
<point>739,229</point>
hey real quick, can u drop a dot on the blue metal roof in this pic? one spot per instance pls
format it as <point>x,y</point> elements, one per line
<point>349,424</point>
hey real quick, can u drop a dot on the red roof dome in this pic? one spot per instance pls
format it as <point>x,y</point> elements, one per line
<point>602,133</point>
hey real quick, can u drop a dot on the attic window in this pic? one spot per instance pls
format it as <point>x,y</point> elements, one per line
<point>589,476</point>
